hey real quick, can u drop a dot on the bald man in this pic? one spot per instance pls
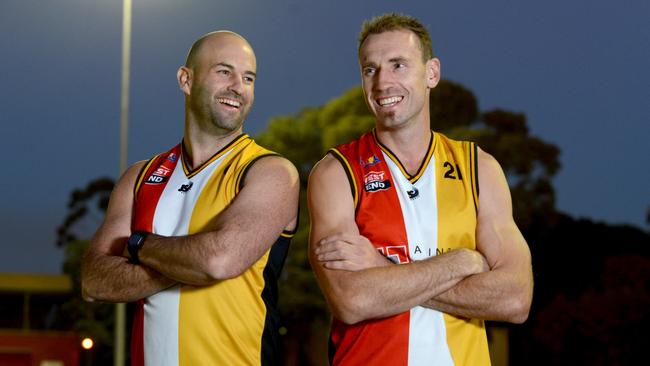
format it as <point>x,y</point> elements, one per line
<point>198,235</point>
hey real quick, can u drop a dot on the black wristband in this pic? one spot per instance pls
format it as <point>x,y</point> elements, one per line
<point>135,243</point>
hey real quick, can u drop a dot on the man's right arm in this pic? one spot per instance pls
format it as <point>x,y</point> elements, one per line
<point>106,274</point>
<point>377,292</point>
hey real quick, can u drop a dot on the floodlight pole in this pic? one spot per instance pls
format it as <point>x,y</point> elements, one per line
<point>120,308</point>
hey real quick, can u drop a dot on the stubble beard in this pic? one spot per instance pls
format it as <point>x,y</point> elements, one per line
<point>222,120</point>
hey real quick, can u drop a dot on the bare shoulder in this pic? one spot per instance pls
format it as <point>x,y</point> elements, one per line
<point>488,165</point>
<point>124,186</point>
<point>494,197</point>
<point>272,169</point>
<point>327,170</point>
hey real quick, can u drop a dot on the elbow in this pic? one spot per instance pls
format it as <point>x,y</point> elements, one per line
<point>88,293</point>
<point>351,308</point>
<point>520,307</point>
<point>518,314</point>
<point>223,267</point>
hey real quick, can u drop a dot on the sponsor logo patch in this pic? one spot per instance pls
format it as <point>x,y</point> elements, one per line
<point>374,181</point>
<point>395,253</point>
<point>172,157</point>
<point>159,176</point>
<point>371,161</point>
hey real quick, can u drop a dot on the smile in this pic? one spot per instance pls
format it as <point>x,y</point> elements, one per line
<point>229,102</point>
<point>390,101</point>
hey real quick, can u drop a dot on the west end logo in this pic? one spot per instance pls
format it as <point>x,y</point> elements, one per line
<point>159,176</point>
<point>374,181</point>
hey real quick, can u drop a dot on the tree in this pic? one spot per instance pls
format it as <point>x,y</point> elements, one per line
<point>86,209</point>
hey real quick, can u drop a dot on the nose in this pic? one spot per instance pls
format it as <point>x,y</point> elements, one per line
<point>236,84</point>
<point>382,79</point>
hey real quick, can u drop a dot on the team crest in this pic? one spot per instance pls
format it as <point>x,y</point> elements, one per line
<point>375,181</point>
<point>371,161</point>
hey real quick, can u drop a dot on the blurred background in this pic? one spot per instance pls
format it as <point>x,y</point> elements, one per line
<point>557,91</point>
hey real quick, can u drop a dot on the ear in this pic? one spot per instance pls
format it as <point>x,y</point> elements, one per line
<point>184,77</point>
<point>433,72</point>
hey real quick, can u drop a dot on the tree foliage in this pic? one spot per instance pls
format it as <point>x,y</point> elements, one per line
<point>86,208</point>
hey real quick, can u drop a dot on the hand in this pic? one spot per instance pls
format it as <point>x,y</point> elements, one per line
<point>349,253</point>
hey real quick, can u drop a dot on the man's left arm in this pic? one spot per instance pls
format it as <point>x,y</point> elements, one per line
<point>239,236</point>
<point>504,293</point>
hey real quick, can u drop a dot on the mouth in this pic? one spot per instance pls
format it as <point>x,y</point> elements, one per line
<point>389,101</point>
<point>232,103</point>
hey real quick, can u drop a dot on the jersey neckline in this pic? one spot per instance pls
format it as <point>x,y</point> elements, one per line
<point>191,173</point>
<point>425,162</point>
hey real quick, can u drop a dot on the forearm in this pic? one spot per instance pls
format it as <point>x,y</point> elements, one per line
<point>494,295</point>
<point>384,291</point>
<point>200,259</point>
<point>114,279</point>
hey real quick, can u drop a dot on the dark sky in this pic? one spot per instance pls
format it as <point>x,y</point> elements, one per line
<point>579,70</point>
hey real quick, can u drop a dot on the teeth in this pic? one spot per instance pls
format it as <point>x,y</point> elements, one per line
<point>229,102</point>
<point>389,101</point>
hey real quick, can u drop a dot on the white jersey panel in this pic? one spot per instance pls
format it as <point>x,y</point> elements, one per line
<point>172,218</point>
<point>427,334</point>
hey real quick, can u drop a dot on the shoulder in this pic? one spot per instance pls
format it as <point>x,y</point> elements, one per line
<point>270,168</point>
<point>495,193</point>
<point>327,169</point>
<point>488,166</point>
<point>131,174</point>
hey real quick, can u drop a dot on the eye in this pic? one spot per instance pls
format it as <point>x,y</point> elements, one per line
<point>249,79</point>
<point>369,71</point>
<point>223,72</point>
<point>399,65</point>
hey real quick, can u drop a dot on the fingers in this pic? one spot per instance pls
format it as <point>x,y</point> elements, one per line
<point>326,246</point>
<point>348,238</point>
<point>342,265</point>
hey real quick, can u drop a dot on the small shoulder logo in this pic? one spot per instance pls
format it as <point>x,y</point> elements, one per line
<point>185,187</point>
<point>371,161</point>
<point>172,157</point>
<point>374,181</point>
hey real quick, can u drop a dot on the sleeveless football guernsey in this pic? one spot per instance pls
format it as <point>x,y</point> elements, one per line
<point>410,218</point>
<point>232,322</point>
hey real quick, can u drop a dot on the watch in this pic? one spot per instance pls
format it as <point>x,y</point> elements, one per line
<point>135,243</point>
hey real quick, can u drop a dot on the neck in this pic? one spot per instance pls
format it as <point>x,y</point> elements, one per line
<point>408,142</point>
<point>201,142</point>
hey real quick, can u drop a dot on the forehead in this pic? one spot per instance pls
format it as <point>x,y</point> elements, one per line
<point>230,49</point>
<point>391,44</point>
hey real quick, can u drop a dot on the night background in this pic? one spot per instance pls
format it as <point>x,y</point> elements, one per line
<point>556,91</point>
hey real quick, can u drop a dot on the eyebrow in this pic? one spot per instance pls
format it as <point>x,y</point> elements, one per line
<point>398,59</point>
<point>231,67</point>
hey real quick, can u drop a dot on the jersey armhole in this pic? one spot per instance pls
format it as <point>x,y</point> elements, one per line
<point>348,172</point>
<point>239,182</point>
<point>141,175</point>
<point>473,170</point>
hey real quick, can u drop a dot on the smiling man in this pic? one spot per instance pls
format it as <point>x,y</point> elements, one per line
<point>411,258</point>
<point>198,234</point>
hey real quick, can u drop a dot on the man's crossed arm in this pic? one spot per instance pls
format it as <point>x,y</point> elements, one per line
<point>494,282</point>
<point>241,234</point>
